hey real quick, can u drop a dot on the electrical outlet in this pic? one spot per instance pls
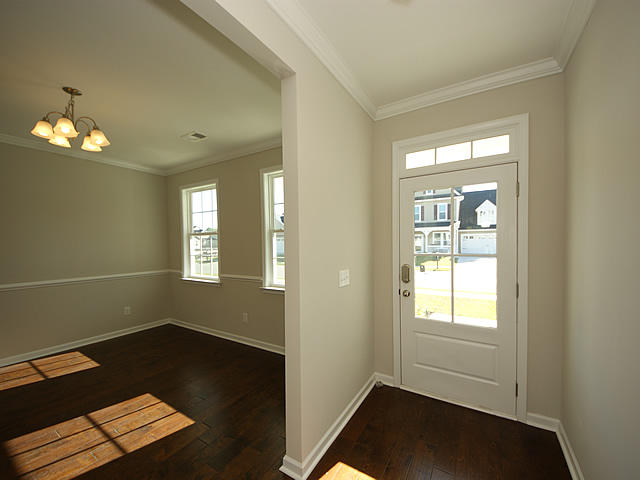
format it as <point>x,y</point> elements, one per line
<point>245,317</point>
<point>127,310</point>
<point>343,278</point>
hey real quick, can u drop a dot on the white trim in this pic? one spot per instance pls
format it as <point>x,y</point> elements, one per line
<point>575,22</point>
<point>270,347</point>
<point>520,154</point>
<point>69,281</point>
<point>185,225</point>
<point>273,290</point>
<point>300,471</point>
<point>296,17</point>
<point>93,157</point>
<point>521,73</point>
<point>79,343</point>
<point>542,421</point>
<point>215,283</point>
<point>244,151</point>
<point>303,25</point>
<point>241,277</point>
<point>267,208</point>
<point>569,455</point>
<point>384,378</point>
<point>555,425</point>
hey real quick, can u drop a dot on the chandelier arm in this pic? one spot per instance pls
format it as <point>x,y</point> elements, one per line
<point>46,117</point>
<point>95,125</point>
<point>81,120</point>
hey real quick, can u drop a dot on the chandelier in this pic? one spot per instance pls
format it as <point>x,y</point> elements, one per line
<point>67,125</point>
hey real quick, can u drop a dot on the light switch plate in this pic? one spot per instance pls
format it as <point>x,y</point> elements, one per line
<point>343,278</point>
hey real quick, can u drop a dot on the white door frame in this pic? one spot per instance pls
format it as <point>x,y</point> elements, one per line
<point>518,127</point>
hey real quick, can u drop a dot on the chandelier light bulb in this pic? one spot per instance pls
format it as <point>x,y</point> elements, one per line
<point>99,139</point>
<point>60,141</point>
<point>65,128</point>
<point>42,129</point>
<point>88,146</point>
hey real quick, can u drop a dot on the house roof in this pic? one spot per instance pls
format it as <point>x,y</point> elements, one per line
<point>468,206</point>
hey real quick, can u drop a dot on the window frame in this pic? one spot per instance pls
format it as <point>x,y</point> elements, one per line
<point>446,212</point>
<point>186,219</point>
<point>266,197</point>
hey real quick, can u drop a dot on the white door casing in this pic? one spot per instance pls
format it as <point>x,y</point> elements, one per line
<point>468,364</point>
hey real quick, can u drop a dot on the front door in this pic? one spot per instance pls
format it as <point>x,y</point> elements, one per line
<point>458,256</point>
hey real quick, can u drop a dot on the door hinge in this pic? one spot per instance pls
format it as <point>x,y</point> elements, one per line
<point>516,389</point>
<point>517,189</point>
<point>517,290</point>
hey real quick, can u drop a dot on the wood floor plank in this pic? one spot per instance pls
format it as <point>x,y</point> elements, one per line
<point>150,384</point>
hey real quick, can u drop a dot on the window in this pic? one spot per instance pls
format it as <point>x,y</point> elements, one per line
<point>484,147</point>
<point>440,239</point>
<point>417,213</point>
<point>418,242</point>
<point>442,211</point>
<point>273,220</point>
<point>200,234</point>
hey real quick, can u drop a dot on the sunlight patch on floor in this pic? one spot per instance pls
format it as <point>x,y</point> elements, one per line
<point>71,448</point>
<point>341,471</point>
<point>37,370</point>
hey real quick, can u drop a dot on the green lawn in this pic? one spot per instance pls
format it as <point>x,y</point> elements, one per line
<point>466,307</point>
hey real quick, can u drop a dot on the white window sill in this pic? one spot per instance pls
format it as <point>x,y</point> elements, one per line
<point>276,290</point>
<point>216,283</point>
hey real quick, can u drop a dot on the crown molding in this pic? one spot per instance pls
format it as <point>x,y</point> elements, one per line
<point>229,155</point>
<point>45,147</point>
<point>297,18</point>
<point>574,24</point>
<point>522,73</point>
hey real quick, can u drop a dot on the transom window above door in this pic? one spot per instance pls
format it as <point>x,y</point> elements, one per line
<point>456,152</point>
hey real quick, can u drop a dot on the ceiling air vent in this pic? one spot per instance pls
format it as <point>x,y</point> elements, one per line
<point>194,136</point>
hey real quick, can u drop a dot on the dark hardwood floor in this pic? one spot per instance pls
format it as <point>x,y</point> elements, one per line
<point>233,393</point>
<point>401,435</point>
<point>229,421</point>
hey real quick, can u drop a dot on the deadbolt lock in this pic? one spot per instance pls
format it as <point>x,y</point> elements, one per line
<point>406,293</point>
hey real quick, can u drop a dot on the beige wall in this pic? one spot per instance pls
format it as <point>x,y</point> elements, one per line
<point>543,99</point>
<point>221,307</point>
<point>601,389</point>
<point>327,162</point>
<point>64,217</point>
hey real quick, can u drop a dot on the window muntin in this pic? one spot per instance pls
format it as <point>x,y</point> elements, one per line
<point>201,236</point>
<point>484,147</point>
<point>273,192</point>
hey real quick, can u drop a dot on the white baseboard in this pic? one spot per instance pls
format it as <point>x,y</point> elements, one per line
<point>300,471</point>
<point>229,336</point>
<point>569,455</point>
<point>555,425</point>
<point>384,378</point>
<point>79,343</point>
<point>542,421</point>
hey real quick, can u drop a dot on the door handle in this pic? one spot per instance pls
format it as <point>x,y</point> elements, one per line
<point>406,273</point>
<point>406,293</point>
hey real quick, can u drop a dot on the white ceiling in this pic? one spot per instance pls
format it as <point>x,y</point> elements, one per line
<point>150,71</point>
<point>388,53</point>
